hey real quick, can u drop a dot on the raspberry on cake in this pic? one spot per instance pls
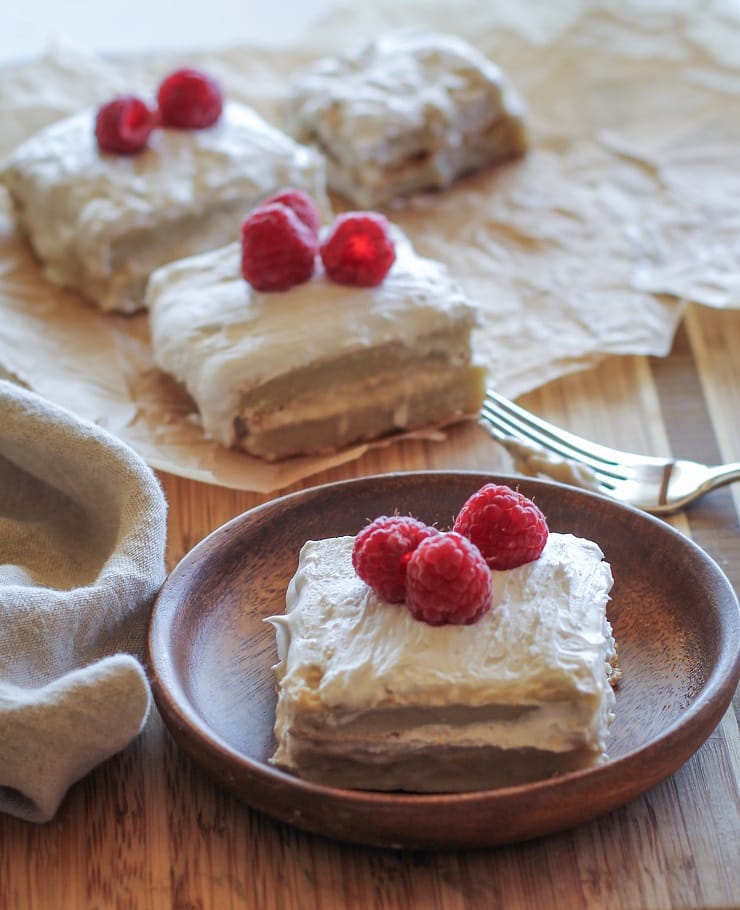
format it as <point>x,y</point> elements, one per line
<point>413,111</point>
<point>370,697</point>
<point>189,99</point>
<point>447,581</point>
<point>320,365</point>
<point>278,248</point>
<point>358,249</point>
<point>303,206</point>
<point>508,528</point>
<point>100,221</point>
<point>382,551</point>
<point>123,126</point>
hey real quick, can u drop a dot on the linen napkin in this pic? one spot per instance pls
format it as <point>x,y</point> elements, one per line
<point>82,537</point>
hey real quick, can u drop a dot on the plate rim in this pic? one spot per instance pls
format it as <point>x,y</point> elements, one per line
<point>211,750</point>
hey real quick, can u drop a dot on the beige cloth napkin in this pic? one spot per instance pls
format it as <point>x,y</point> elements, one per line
<point>82,537</point>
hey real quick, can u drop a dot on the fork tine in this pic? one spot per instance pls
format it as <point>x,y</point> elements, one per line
<point>510,435</point>
<point>657,485</point>
<point>511,439</point>
<point>511,420</point>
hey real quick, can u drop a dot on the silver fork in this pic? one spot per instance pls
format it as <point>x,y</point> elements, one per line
<point>658,485</point>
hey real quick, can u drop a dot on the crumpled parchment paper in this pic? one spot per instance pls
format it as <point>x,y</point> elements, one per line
<point>624,209</point>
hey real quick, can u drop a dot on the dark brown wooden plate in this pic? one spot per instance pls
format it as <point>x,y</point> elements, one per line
<point>675,618</point>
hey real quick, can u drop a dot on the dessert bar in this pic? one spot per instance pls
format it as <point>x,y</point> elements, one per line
<point>411,112</point>
<point>321,365</point>
<point>370,697</point>
<point>99,223</point>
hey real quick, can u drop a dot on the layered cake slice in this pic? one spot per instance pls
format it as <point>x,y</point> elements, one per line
<point>413,111</point>
<point>100,222</point>
<point>372,697</point>
<point>320,365</point>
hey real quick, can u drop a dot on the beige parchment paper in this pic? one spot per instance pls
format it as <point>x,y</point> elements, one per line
<point>625,208</point>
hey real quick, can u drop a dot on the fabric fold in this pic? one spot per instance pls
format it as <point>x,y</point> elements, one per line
<point>82,542</point>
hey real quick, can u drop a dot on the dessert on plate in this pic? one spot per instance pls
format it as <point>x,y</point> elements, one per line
<point>413,111</point>
<point>288,346</point>
<point>102,212</point>
<point>424,688</point>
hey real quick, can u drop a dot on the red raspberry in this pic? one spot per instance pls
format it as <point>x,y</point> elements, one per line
<point>278,249</point>
<point>448,581</point>
<point>507,528</point>
<point>302,204</point>
<point>358,249</point>
<point>382,550</point>
<point>189,99</point>
<point>123,125</point>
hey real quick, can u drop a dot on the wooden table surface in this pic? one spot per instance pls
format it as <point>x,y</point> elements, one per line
<point>148,829</point>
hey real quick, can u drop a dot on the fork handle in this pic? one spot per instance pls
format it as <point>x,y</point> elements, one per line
<point>722,474</point>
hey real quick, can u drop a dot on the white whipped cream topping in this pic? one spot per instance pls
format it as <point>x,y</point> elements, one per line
<point>76,202</point>
<point>546,642</point>
<point>220,337</point>
<point>406,80</point>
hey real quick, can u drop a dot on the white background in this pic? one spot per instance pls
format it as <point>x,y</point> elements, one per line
<point>27,27</point>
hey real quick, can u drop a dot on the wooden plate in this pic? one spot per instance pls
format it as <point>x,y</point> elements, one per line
<point>675,618</point>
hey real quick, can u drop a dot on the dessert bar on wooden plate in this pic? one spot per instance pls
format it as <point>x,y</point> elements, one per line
<point>370,697</point>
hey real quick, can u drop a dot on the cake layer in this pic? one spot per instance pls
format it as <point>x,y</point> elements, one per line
<point>449,769</point>
<point>522,693</point>
<point>416,397</point>
<point>100,223</point>
<point>413,111</point>
<point>321,365</point>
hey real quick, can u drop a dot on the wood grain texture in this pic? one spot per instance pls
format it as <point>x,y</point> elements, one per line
<point>149,830</point>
